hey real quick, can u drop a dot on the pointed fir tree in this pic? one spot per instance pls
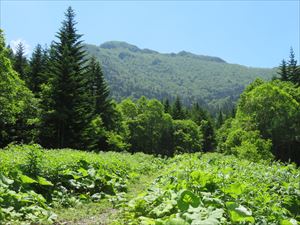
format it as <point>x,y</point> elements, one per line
<point>67,108</point>
<point>38,66</point>
<point>292,63</point>
<point>20,62</point>
<point>167,106</point>
<point>283,71</point>
<point>293,69</point>
<point>99,91</point>
<point>220,119</point>
<point>197,114</point>
<point>177,110</point>
<point>233,112</point>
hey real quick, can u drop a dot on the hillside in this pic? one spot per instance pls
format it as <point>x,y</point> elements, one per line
<point>131,71</point>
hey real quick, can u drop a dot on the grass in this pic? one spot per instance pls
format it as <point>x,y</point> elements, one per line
<point>89,213</point>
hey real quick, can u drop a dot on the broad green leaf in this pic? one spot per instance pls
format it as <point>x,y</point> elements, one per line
<point>83,171</point>
<point>5,179</point>
<point>27,180</point>
<point>186,199</point>
<point>176,221</point>
<point>234,189</point>
<point>239,213</point>
<point>44,182</point>
<point>288,222</point>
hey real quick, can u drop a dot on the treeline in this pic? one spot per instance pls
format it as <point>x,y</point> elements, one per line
<point>59,99</point>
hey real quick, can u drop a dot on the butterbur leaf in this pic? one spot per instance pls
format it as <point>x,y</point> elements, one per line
<point>147,221</point>
<point>176,221</point>
<point>235,189</point>
<point>288,222</point>
<point>186,199</point>
<point>27,180</point>
<point>5,179</point>
<point>83,171</point>
<point>239,213</point>
<point>43,181</point>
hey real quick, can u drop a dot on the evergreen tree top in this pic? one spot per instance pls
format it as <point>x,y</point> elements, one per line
<point>292,61</point>
<point>20,50</point>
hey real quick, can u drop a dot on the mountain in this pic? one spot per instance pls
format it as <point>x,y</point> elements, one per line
<point>211,81</point>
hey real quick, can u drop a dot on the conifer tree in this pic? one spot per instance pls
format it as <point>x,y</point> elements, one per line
<point>38,64</point>
<point>65,115</point>
<point>220,119</point>
<point>292,63</point>
<point>167,106</point>
<point>177,111</point>
<point>283,71</point>
<point>293,69</point>
<point>99,91</point>
<point>197,114</point>
<point>20,61</point>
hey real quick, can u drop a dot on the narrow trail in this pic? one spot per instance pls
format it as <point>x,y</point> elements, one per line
<point>104,212</point>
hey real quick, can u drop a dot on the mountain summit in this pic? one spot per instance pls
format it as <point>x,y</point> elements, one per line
<point>133,48</point>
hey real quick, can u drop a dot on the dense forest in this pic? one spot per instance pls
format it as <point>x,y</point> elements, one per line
<point>59,98</point>
<point>134,72</point>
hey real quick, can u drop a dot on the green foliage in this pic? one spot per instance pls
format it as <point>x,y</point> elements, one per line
<point>94,134</point>
<point>149,127</point>
<point>99,91</point>
<point>34,180</point>
<point>116,142</point>
<point>187,136</point>
<point>146,127</point>
<point>20,62</point>
<point>68,110</point>
<point>267,119</point>
<point>208,132</point>
<point>134,72</point>
<point>216,189</point>
<point>177,110</point>
<point>19,109</point>
<point>290,71</point>
<point>246,144</point>
<point>37,71</point>
<point>281,100</point>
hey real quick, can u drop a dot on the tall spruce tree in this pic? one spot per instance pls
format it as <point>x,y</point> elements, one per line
<point>220,119</point>
<point>38,64</point>
<point>101,112</point>
<point>99,91</point>
<point>283,72</point>
<point>290,71</point>
<point>167,106</point>
<point>20,62</point>
<point>177,110</point>
<point>65,115</point>
<point>293,69</point>
<point>292,63</point>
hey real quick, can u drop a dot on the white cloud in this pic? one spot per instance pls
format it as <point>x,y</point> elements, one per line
<point>14,45</point>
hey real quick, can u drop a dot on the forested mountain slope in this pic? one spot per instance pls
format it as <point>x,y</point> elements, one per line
<point>131,71</point>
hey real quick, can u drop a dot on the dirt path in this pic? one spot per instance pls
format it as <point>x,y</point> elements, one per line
<point>104,212</point>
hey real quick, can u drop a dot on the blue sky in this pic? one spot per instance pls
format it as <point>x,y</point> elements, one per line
<point>252,33</point>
